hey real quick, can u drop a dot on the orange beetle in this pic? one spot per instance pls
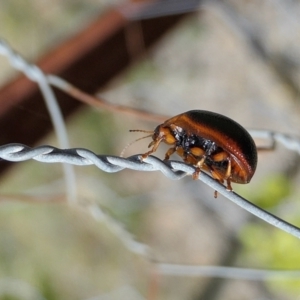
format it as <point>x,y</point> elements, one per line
<point>210,142</point>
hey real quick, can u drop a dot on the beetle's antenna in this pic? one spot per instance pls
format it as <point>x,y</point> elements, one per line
<point>140,130</point>
<point>144,137</point>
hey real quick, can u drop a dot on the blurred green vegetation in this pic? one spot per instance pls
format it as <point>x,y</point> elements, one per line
<point>266,246</point>
<point>270,191</point>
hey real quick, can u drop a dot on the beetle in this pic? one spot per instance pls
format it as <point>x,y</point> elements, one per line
<point>210,142</point>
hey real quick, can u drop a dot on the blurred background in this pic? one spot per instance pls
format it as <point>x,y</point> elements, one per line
<point>237,58</point>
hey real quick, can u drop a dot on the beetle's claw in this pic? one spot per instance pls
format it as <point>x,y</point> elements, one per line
<point>145,155</point>
<point>196,174</point>
<point>229,187</point>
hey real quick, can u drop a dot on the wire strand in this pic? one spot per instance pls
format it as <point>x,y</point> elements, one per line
<point>226,272</point>
<point>174,170</point>
<point>35,74</point>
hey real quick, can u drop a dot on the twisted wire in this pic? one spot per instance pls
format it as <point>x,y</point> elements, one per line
<point>83,157</point>
<point>174,170</point>
<point>16,152</point>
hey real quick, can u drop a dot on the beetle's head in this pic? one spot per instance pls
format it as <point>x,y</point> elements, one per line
<point>163,133</point>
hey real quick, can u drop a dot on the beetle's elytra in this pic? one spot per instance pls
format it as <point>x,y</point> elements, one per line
<point>210,142</point>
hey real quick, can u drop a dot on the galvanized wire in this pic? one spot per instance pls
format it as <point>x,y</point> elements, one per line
<point>35,74</point>
<point>174,170</point>
<point>84,157</point>
<point>226,272</point>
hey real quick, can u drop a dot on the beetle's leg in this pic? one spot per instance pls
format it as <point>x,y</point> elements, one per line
<point>216,175</point>
<point>229,188</point>
<point>199,167</point>
<point>197,151</point>
<point>188,158</point>
<point>196,174</point>
<point>155,145</point>
<point>169,153</point>
<point>221,156</point>
<point>221,177</point>
<point>228,174</point>
<point>228,171</point>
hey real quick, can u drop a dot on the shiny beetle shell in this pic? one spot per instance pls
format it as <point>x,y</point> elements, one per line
<point>211,142</point>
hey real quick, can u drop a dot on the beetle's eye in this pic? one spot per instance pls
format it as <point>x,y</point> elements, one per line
<point>156,133</point>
